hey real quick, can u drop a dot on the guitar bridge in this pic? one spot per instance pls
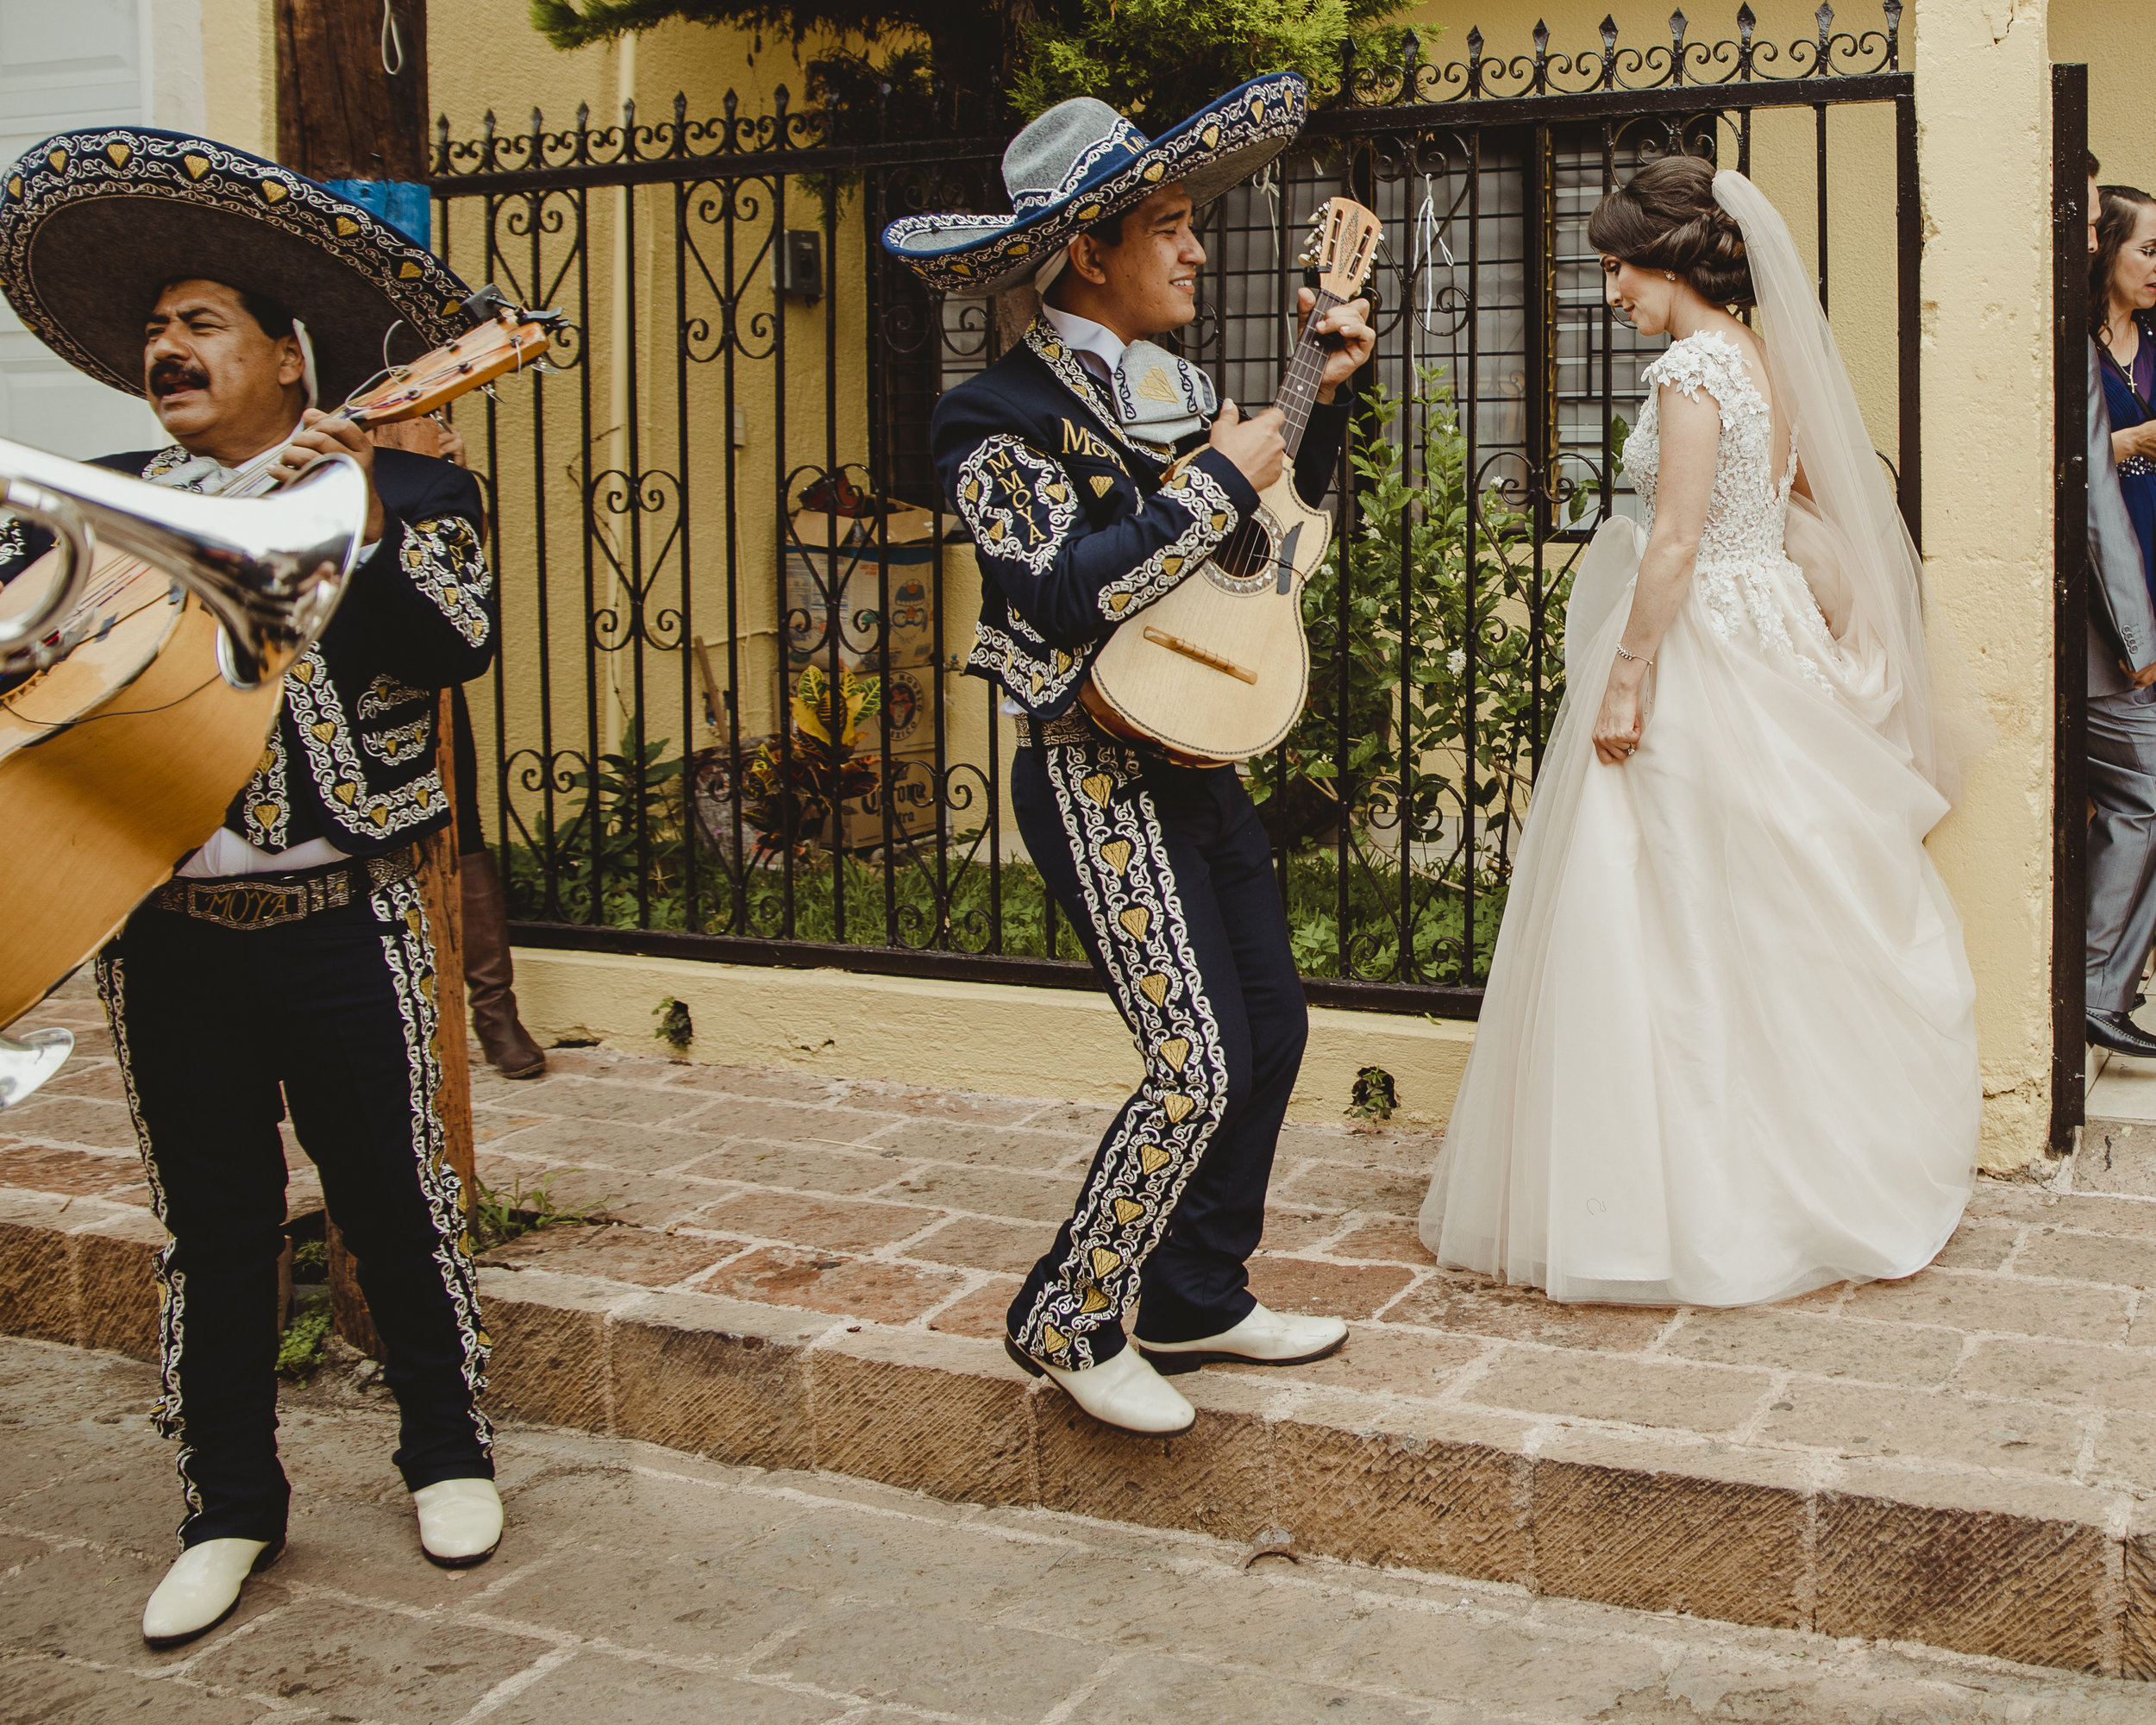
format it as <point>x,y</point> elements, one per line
<point>1191,649</point>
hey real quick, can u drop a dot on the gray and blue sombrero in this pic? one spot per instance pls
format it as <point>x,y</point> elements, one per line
<point>1080,162</point>
<point>93,222</point>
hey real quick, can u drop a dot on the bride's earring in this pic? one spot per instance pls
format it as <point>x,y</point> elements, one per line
<point>1669,275</point>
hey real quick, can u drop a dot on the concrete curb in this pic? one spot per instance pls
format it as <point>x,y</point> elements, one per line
<point>2058,1575</point>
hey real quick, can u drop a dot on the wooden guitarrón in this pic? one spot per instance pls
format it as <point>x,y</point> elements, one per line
<point>1218,668</point>
<point>122,756</point>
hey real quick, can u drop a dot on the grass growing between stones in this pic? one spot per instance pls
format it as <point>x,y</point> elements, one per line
<point>497,1217</point>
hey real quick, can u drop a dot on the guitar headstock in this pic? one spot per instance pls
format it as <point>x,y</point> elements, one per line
<point>504,338</point>
<point>1343,247</point>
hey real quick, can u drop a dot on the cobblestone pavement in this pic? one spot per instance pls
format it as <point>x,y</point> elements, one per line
<point>1995,1415</point>
<point>2025,1358</point>
<point>638,1586</point>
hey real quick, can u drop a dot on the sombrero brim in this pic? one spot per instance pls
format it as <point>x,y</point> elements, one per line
<point>94,222</point>
<point>1221,145</point>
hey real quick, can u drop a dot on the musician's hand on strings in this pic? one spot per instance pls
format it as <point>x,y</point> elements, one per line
<point>326,434</point>
<point>1355,341</point>
<point>1255,446</point>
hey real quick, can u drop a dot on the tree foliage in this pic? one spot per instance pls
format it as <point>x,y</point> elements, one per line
<point>968,66</point>
<point>1157,60</point>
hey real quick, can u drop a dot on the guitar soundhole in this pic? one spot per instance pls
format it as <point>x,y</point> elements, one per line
<point>1249,562</point>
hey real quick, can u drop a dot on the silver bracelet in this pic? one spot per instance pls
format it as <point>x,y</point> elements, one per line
<point>1634,658</point>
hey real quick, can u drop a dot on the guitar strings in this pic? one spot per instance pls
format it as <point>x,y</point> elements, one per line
<point>1304,366</point>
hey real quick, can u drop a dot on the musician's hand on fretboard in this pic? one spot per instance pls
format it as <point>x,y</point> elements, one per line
<point>1348,339</point>
<point>331,434</point>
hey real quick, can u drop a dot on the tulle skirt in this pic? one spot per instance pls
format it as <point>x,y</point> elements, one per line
<point>1729,1052</point>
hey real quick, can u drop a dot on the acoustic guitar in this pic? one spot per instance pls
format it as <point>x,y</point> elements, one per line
<point>1217,668</point>
<point>121,757</point>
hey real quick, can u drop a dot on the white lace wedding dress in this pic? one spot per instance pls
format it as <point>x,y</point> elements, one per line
<point>1728,1050</point>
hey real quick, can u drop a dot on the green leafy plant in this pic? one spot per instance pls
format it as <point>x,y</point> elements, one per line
<point>1157,60</point>
<point>676,1029</point>
<point>305,1342</point>
<point>616,827</point>
<point>1375,1096</point>
<point>310,1261</point>
<point>497,1217</point>
<point>1430,782</point>
<point>926,68</point>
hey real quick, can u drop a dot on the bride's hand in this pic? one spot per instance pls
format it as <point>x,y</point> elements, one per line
<point>1618,726</point>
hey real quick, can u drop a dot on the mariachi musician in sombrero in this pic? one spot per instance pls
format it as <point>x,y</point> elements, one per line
<point>1092,470</point>
<point>244,301</point>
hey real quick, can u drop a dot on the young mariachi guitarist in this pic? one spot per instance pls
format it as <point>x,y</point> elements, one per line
<point>172,268</point>
<point>1093,475</point>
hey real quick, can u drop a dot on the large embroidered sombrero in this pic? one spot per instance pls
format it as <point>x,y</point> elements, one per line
<point>93,222</point>
<point>1081,161</point>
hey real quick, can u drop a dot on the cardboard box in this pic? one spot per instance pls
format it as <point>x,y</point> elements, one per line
<point>914,806</point>
<point>849,574</point>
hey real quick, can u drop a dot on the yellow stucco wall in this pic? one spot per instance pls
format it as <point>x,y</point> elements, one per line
<point>973,1036</point>
<point>1982,96</point>
<point>2112,39</point>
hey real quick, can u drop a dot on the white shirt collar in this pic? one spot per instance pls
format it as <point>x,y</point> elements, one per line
<point>212,475</point>
<point>1084,336</point>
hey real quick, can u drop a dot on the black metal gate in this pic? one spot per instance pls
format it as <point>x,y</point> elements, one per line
<point>726,723</point>
<point>2070,606</point>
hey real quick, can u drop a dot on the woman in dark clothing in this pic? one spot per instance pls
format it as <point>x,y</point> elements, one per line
<point>2122,318</point>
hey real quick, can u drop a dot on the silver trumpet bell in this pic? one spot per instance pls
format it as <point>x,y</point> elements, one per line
<point>269,569</point>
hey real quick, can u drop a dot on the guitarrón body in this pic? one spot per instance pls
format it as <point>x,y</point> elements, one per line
<point>116,759</point>
<point>1217,668</point>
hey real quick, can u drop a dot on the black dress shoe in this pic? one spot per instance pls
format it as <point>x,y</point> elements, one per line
<point>2119,1033</point>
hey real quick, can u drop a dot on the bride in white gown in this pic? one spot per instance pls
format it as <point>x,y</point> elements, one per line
<point>1729,1050</point>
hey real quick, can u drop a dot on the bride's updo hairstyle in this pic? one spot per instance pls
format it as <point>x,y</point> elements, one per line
<point>1664,217</point>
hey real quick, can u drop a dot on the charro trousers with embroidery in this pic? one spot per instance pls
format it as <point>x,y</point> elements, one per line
<point>218,1030</point>
<point>1167,876</point>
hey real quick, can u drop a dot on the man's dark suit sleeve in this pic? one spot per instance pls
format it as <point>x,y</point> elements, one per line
<point>1319,458</point>
<point>2120,607</point>
<point>424,600</point>
<point>1070,579</point>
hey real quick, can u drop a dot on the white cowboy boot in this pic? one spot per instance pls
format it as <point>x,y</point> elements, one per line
<point>1262,1338</point>
<point>200,1590</point>
<point>1124,1392</point>
<point>459,1522</point>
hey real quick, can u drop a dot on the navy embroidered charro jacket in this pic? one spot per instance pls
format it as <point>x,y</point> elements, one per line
<point>353,757</point>
<point>1078,526</point>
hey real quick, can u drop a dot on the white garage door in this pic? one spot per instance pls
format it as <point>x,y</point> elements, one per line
<point>64,64</point>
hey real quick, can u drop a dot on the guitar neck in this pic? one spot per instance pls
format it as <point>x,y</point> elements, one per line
<point>1306,371</point>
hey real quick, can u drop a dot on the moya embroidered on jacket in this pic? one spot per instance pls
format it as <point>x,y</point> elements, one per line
<point>1077,525</point>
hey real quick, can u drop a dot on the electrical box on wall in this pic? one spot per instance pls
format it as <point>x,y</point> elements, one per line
<point>798,263</point>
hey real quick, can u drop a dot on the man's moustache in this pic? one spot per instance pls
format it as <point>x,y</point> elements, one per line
<point>166,379</point>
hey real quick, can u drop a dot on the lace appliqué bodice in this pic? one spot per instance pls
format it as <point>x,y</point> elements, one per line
<point>1743,577</point>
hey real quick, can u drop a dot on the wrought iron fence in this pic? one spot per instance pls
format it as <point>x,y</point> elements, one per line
<point>726,721</point>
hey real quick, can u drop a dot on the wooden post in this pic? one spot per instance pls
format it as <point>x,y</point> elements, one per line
<point>341,115</point>
<point>443,892</point>
<point>352,106</point>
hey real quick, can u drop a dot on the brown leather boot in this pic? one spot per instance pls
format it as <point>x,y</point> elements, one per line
<point>488,975</point>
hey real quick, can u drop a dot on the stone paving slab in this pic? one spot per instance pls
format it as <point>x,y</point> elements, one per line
<point>801,1272</point>
<point>637,1585</point>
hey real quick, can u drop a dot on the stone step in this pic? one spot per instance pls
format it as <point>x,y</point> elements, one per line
<point>2044,1572</point>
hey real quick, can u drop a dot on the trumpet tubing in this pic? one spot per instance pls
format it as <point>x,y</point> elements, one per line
<point>269,569</point>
